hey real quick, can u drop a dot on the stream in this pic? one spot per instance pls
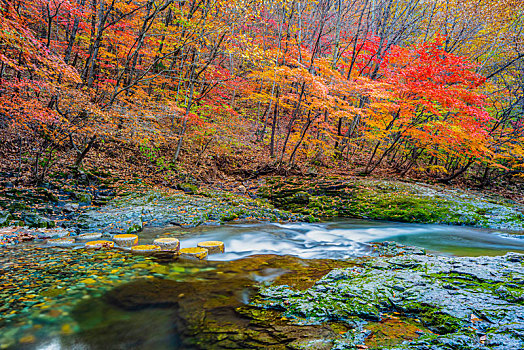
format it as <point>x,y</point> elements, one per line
<point>56,298</point>
<point>342,239</point>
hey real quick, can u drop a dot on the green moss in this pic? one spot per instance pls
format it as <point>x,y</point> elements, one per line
<point>134,228</point>
<point>52,292</point>
<point>188,188</point>
<point>434,318</point>
<point>378,200</point>
<point>5,218</point>
<point>229,216</point>
<point>392,331</point>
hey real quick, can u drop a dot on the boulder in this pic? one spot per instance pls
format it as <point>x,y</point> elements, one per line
<point>5,218</point>
<point>35,220</point>
<point>84,198</point>
<point>70,207</point>
<point>188,188</point>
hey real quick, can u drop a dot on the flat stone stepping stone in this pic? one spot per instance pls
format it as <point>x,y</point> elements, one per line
<point>194,253</point>
<point>86,237</point>
<point>61,242</point>
<point>213,247</point>
<point>100,244</point>
<point>166,243</point>
<point>125,240</point>
<point>145,249</point>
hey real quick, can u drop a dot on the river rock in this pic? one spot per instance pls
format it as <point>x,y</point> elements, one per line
<point>5,218</point>
<point>84,198</point>
<point>188,188</point>
<point>61,242</point>
<point>100,244</point>
<point>86,237</point>
<point>70,207</point>
<point>145,249</point>
<point>35,220</point>
<point>456,298</point>
<point>156,209</point>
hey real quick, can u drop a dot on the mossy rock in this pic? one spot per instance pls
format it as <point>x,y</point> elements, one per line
<point>137,227</point>
<point>47,194</point>
<point>52,292</point>
<point>36,221</point>
<point>84,198</point>
<point>435,319</point>
<point>229,216</point>
<point>5,218</point>
<point>188,188</point>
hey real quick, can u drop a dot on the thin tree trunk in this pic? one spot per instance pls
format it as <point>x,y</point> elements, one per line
<point>188,108</point>
<point>273,128</point>
<point>306,127</point>
<point>292,121</point>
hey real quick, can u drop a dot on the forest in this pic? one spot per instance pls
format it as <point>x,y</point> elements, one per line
<point>425,89</point>
<point>262,174</point>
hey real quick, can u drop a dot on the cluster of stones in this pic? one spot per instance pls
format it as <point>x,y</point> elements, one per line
<point>130,242</point>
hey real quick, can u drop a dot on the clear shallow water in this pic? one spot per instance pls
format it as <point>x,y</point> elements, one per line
<point>60,296</point>
<point>342,239</point>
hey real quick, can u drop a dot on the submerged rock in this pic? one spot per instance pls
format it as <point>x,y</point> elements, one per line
<point>206,310</point>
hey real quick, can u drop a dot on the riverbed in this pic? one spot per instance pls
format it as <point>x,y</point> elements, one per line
<point>62,298</point>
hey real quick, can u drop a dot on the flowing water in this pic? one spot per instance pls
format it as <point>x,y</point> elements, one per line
<point>55,298</point>
<point>343,239</point>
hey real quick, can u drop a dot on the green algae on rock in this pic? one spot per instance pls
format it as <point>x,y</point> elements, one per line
<point>469,303</point>
<point>392,200</point>
<point>157,209</point>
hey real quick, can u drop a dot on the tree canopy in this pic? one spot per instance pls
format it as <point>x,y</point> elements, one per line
<point>431,89</point>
